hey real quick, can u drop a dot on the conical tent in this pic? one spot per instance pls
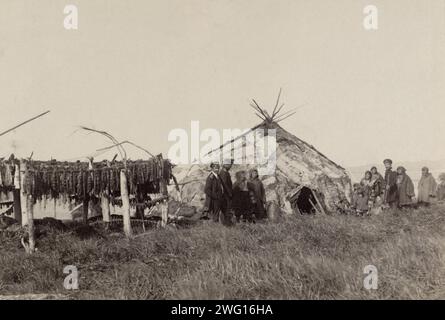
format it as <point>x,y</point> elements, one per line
<point>294,165</point>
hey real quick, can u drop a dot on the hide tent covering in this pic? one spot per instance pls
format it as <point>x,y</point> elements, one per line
<point>302,178</point>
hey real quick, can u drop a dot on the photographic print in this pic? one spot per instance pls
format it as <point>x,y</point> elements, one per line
<point>234,151</point>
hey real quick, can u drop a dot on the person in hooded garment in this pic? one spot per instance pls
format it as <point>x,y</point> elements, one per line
<point>372,189</point>
<point>367,180</point>
<point>405,189</point>
<point>426,188</point>
<point>390,185</point>
<point>379,180</point>
<point>440,192</point>
<point>376,174</point>
<point>259,194</point>
<point>214,193</point>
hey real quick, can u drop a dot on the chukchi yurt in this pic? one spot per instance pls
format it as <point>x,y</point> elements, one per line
<point>297,177</point>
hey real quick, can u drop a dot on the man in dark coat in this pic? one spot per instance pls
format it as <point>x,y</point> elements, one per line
<point>226,181</point>
<point>214,193</point>
<point>390,185</point>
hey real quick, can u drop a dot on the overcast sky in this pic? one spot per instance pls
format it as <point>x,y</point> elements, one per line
<point>141,68</point>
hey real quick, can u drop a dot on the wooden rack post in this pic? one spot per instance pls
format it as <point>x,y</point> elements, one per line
<point>125,203</point>
<point>28,201</point>
<point>30,213</point>
<point>105,205</point>
<point>23,196</point>
<point>164,204</point>
<point>55,208</point>
<point>17,207</point>
<point>85,206</point>
<point>164,213</point>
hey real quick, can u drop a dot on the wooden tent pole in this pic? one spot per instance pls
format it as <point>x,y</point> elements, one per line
<point>319,203</point>
<point>314,206</point>
<point>234,139</point>
<point>125,203</point>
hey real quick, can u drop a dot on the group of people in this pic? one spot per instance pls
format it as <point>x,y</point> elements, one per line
<point>243,200</point>
<point>394,190</point>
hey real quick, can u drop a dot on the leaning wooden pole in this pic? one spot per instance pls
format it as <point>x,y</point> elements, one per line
<point>23,123</point>
<point>125,203</point>
<point>314,206</point>
<point>319,202</point>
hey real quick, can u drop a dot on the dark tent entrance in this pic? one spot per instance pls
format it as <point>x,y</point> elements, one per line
<point>305,201</point>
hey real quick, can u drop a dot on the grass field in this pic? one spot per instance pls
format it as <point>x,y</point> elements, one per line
<point>300,257</point>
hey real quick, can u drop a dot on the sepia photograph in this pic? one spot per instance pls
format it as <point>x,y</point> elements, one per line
<point>222,155</point>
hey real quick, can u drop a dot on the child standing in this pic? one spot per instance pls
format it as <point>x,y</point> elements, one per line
<point>360,202</point>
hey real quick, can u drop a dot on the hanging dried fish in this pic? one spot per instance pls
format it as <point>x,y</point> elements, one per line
<point>2,174</point>
<point>97,182</point>
<point>73,188</point>
<point>79,187</point>
<point>63,182</point>
<point>112,179</point>
<point>8,178</point>
<point>105,186</point>
<point>117,178</point>
<point>33,185</point>
<point>55,179</point>
<point>89,184</point>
